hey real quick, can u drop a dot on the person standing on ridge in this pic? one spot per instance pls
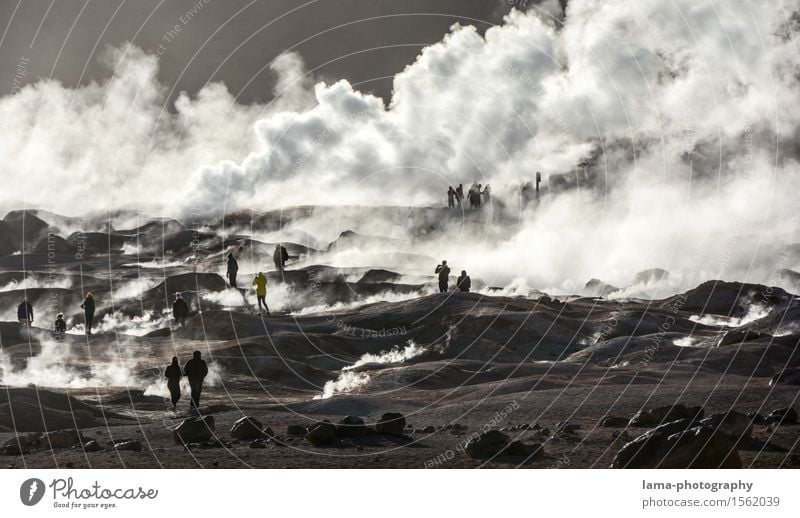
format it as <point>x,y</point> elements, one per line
<point>88,311</point>
<point>260,282</point>
<point>233,269</point>
<point>444,273</point>
<point>180,310</point>
<point>463,283</point>
<point>196,370</point>
<point>173,374</point>
<point>25,313</point>
<point>280,256</point>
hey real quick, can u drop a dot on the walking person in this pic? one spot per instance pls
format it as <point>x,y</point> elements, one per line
<point>173,374</point>
<point>487,194</point>
<point>25,313</point>
<point>444,273</point>
<point>260,282</point>
<point>459,194</point>
<point>180,310</point>
<point>196,370</point>
<point>88,307</point>
<point>233,269</point>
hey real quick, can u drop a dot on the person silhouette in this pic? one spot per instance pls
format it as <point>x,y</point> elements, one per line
<point>196,370</point>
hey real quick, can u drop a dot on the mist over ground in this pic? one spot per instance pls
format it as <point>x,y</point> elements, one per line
<point>660,145</point>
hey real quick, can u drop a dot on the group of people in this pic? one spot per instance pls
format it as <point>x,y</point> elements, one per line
<point>476,195</point>
<point>25,315</point>
<point>463,282</point>
<point>195,371</point>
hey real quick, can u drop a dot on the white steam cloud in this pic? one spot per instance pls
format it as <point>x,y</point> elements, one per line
<point>350,380</point>
<point>661,129</point>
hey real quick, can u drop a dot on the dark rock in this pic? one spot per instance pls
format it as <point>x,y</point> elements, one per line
<point>92,446</point>
<point>321,434</point>
<point>247,428</point>
<point>566,428</point>
<point>258,443</point>
<point>194,429</point>
<point>611,421</point>
<point>520,449</point>
<point>782,416</point>
<point>296,430</point>
<point>737,336</point>
<point>733,425</point>
<point>128,446</point>
<point>665,414</point>
<point>61,439</point>
<point>756,418</point>
<point>786,377</point>
<point>679,445</point>
<point>391,424</point>
<point>428,429</point>
<point>351,426</point>
<point>486,445</point>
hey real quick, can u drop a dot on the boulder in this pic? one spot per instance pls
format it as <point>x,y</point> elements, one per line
<point>194,429</point>
<point>486,445</point>
<point>321,434</point>
<point>738,336</point>
<point>733,425</point>
<point>133,445</point>
<point>296,430</point>
<point>782,416</point>
<point>611,421</point>
<point>665,414</point>
<point>679,445</point>
<point>247,429</point>
<point>428,429</point>
<point>92,446</point>
<point>392,424</point>
<point>61,439</point>
<point>520,449</point>
<point>351,426</point>
<point>786,377</point>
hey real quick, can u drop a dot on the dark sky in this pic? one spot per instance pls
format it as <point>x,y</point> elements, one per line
<point>61,38</point>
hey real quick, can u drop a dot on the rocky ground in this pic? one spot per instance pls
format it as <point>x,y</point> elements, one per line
<point>365,366</point>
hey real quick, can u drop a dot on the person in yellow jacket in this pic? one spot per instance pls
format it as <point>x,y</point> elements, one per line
<point>260,282</point>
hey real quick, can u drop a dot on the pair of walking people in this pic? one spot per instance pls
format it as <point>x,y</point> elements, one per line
<point>195,370</point>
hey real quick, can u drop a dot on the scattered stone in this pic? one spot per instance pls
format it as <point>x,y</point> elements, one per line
<point>756,418</point>
<point>665,414</point>
<point>321,434</point>
<point>611,421</point>
<point>428,429</point>
<point>734,425</point>
<point>782,416</point>
<point>194,430</point>
<point>92,446</point>
<point>679,445</point>
<point>520,449</point>
<point>128,446</point>
<point>786,377</point>
<point>296,430</point>
<point>738,336</point>
<point>351,426</point>
<point>391,424</point>
<point>486,445</point>
<point>247,428</point>
<point>258,443</point>
<point>61,439</point>
<point>567,428</point>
